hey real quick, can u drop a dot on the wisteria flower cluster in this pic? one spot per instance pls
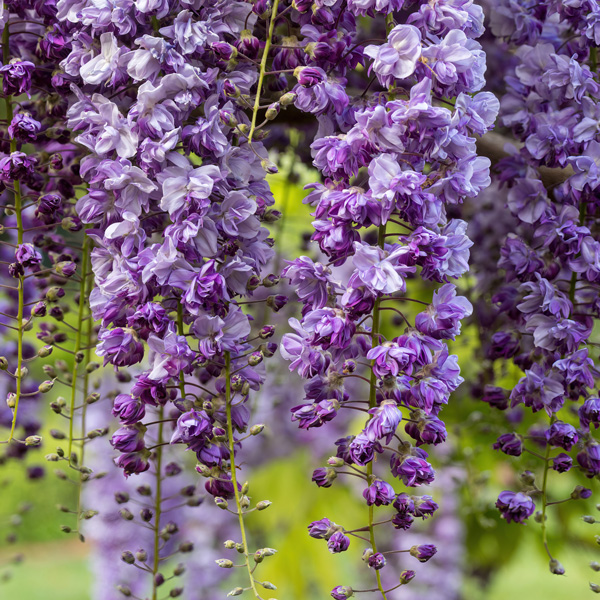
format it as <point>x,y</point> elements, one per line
<point>143,261</point>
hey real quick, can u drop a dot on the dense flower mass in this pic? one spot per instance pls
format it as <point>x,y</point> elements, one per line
<point>146,274</point>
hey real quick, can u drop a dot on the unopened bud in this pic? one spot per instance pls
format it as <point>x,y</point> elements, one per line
<point>128,557</point>
<point>595,587</point>
<point>236,591</point>
<point>46,386</point>
<point>287,99</point>
<point>263,504</point>
<point>33,440</point>
<point>224,563</point>
<point>257,429</point>
<point>221,503</point>
<point>335,461</point>
<point>556,568</point>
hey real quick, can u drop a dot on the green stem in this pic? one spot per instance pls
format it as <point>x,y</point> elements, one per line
<point>18,213</point>
<point>78,340</point>
<point>263,69</point>
<point>373,404</point>
<point>545,499</point>
<point>157,506</point>
<point>228,400</point>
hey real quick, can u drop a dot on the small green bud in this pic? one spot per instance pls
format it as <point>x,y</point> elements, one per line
<point>93,397</point>
<point>11,400</point>
<point>257,429</point>
<point>57,435</point>
<point>33,440</point>
<point>126,514</point>
<point>245,487</point>
<point>46,386</point>
<point>244,502</point>
<point>229,544</point>
<point>92,366</point>
<point>287,99</point>
<point>141,555</point>
<point>224,563</point>
<point>179,570</point>
<point>128,557</point>
<point>556,568</point>
<point>60,452</point>
<point>124,590</point>
<point>595,566</point>
<point>3,363</point>
<point>65,529</point>
<point>186,547</point>
<point>268,585</point>
<point>45,351</point>
<point>595,587</point>
<point>335,461</point>
<point>176,592</point>
<point>588,519</point>
<point>221,503</point>
<point>236,591</point>
<point>272,112</point>
<point>263,504</point>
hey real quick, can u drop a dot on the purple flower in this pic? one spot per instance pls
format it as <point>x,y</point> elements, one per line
<point>412,470</point>
<point>397,58</point>
<point>509,443</point>
<point>322,529</point>
<point>423,506</point>
<point>384,422</point>
<point>562,435</point>
<point>424,552</point>
<point>539,391</point>
<point>391,359</point>
<point>589,413</point>
<point>562,462</point>
<point>133,462</point>
<point>341,592</point>
<point>314,415</point>
<point>379,493</point>
<point>28,256</point>
<point>324,477</point>
<point>193,428</point>
<point>442,319</point>
<point>17,166</point>
<point>120,347</point>
<point>516,507</point>
<point>128,410</point>
<point>24,128</point>
<point>16,77</point>
<point>377,561</point>
<point>338,542</point>
<point>311,281</point>
<point>362,450</point>
<point>129,438</point>
<point>330,327</point>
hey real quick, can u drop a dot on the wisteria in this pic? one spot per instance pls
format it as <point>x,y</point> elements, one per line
<point>241,236</point>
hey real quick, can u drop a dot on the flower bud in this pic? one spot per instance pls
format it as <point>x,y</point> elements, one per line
<point>229,544</point>
<point>57,434</point>
<point>595,587</point>
<point>186,547</point>
<point>126,514</point>
<point>287,99</point>
<point>588,519</point>
<point>269,166</point>
<point>33,440</point>
<point>128,557</point>
<point>224,563</point>
<point>65,529</point>
<point>263,504</point>
<point>556,568</point>
<point>335,461</point>
<point>159,579</point>
<point>141,555</point>
<point>176,592</point>
<point>257,429</point>
<point>179,570</point>
<point>406,576</point>
<point>3,363</point>
<point>45,351</point>
<point>266,332</point>
<point>45,386</point>
<point>236,591</point>
<point>268,585</point>
<point>580,492</point>
<point>124,590</point>
<point>272,112</point>
<point>221,503</point>
<point>595,566</point>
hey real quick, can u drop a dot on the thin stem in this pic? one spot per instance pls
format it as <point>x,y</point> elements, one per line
<point>263,69</point>
<point>373,404</point>
<point>157,506</point>
<point>228,400</point>
<point>18,212</point>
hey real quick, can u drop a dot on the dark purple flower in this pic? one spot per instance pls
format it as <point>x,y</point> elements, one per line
<point>321,529</point>
<point>133,462</point>
<point>324,477</point>
<point>193,428</point>
<point>129,438</point>
<point>314,415</point>
<point>128,410</point>
<point>16,77</point>
<point>377,561</point>
<point>509,443</point>
<point>589,459</point>
<point>562,462</point>
<point>402,520</point>
<point>562,435</point>
<point>589,413</point>
<point>424,552</point>
<point>379,493</point>
<point>424,506</point>
<point>338,542</point>
<point>310,76</point>
<point>361,449</point>
<point>28,256</point>
<point>515,507</point>
<point>120,347</point>
<point>412,470</point>
<point>24,128</point>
